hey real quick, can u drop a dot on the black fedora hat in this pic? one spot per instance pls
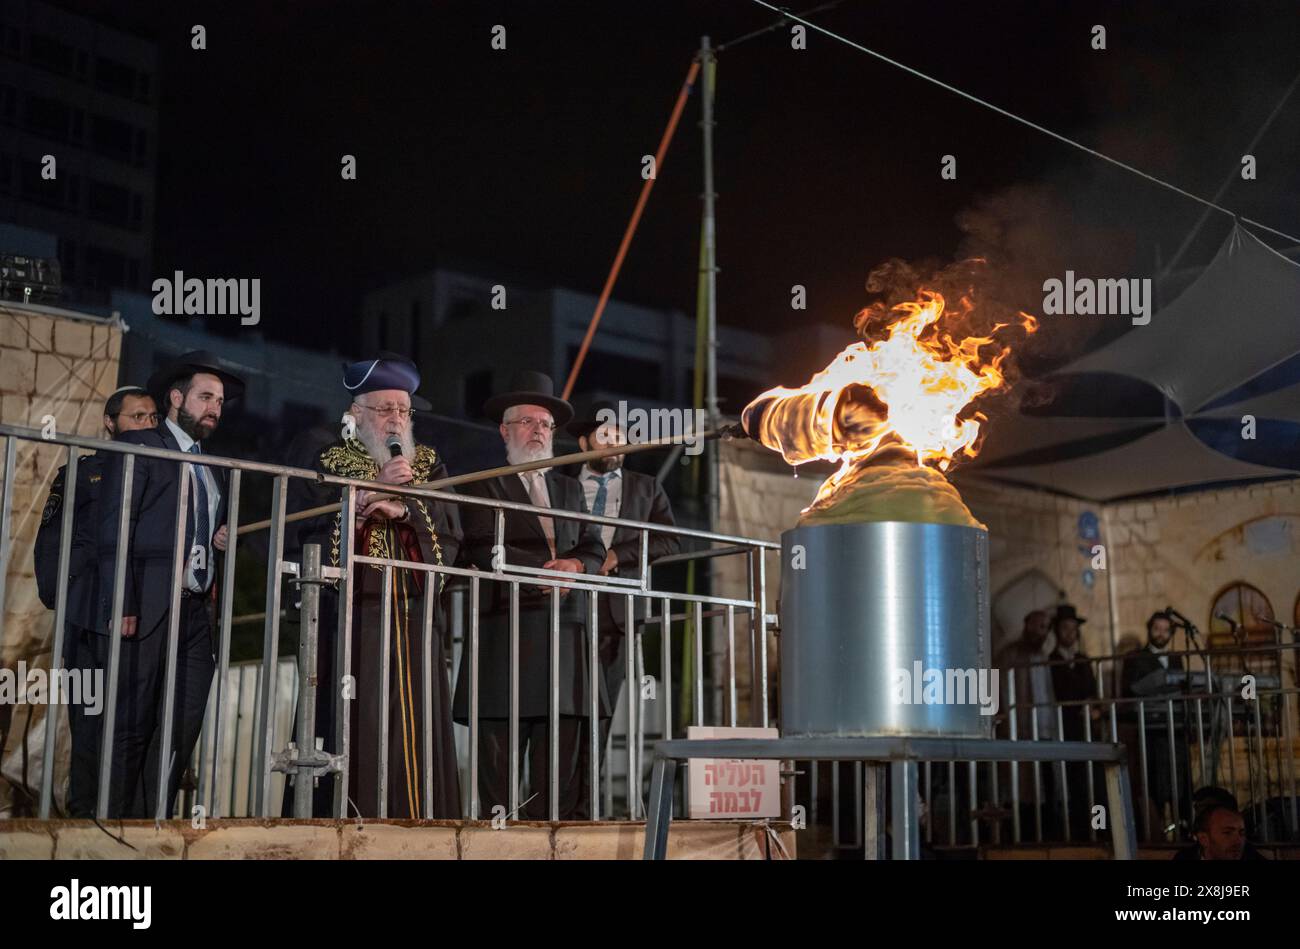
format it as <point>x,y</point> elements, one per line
<point>529,388</point>
<point>187,364</point>
<point>589,422</point>
<point>1067,611</point>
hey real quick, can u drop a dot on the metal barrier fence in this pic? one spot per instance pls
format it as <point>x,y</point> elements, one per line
<point>1199,732</point>
<point>644,606</point>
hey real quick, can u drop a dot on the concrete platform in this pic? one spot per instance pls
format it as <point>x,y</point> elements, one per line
<point>383,840</point>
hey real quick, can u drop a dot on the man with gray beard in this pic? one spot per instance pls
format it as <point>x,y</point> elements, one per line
<point>378,445</point>
<point>528,416</point>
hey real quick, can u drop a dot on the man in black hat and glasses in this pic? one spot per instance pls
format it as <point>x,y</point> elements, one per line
<point>528,415</point>
<point>194,390</point>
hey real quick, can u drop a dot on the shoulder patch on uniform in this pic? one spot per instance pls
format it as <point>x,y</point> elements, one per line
<point>52,506</point>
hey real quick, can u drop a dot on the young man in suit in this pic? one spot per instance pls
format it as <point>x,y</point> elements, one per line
<point>528,415</point>
<point>1146,674</point>
<point>128,409</point>
<point>612,490</point>
<point>194,389</point>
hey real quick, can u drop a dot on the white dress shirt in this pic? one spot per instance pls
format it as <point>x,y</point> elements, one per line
<point>613,497</point>
<point>214,499</point>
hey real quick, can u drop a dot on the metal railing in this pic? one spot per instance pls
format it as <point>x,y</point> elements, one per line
<point>1201,733</point>
<point>693,609</point>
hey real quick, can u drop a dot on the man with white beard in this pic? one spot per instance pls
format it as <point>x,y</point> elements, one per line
<point>381,447</point>
<point>528,415</point>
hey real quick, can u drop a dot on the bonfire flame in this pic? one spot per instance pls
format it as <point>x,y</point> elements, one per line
<point>904,398</point>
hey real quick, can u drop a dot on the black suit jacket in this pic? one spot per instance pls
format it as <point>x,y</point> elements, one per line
<point>525,545</point>
<point>83,564</point>
<point>643,499</point>
<point>151,530</point>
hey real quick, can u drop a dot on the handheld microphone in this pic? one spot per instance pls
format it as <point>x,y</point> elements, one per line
<point>394,443</point>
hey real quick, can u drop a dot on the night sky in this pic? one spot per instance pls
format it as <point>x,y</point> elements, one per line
<point>528,159</point>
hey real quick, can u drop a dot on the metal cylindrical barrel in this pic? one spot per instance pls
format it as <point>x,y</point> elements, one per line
<point>885,631</point>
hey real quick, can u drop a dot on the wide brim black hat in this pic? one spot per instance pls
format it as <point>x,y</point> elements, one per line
<point>529,388</point>
<point>590,421</point>
<point>187,364</point>
<point>1066,611</point>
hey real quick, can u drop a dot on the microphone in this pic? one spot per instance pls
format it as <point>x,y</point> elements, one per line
<point>1232,623</point>
<point>1271,622</point>
<point>1176,618</point>
<point>394,443</point>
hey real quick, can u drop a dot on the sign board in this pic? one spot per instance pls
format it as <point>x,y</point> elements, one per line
<point>733,788</point>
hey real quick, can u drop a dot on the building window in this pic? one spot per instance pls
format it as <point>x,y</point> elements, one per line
<point>109,204</point>
<point>1251,610</point>
<point>619,374</point>
<point>111,137</point>
<point>68,259</point>
<point>49,118</point>
<point>117,78</point>
<point>49,53</point>
<point>105,269</point>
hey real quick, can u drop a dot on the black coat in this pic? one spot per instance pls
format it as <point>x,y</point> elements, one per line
<point>151,543</point>
<point>643,499</point>
<point>83,564</point>
<point>525,545</point>
<point>1073,681</point>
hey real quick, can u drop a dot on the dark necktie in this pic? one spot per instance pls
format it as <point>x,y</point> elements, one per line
<point>602,494</point>
<point>203,525</point>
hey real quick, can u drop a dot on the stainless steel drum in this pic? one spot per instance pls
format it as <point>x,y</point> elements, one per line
<point>868,604</point>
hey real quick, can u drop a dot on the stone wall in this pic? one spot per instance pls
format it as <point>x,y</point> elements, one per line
<point>64,367</point>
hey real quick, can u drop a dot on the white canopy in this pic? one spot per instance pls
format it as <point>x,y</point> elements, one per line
<point>1170,457</point>
<point>1238,319</point>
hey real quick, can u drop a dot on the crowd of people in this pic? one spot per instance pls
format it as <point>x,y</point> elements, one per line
<point>376,443</point>
<point>1043,681</point>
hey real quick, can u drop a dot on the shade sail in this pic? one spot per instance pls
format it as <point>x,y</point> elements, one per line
<point>1017,434</point>
<point>1171,457</point>
<point>1282,404</point>
<point>1240,318</point>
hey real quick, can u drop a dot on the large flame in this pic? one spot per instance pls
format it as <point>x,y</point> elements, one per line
<point>909,390</point>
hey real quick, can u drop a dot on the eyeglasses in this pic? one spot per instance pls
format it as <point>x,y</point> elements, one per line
<point>400,411</point>
<point>530,422</point>
<point>141,417</point>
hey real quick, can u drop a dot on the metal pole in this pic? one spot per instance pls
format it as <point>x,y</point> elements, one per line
<point>553,713</point>
<point>223,645</point>
<point>6,521</point>
<point>632,691</point>
<point>427,673</point>
<point>593,695</point>
<point>473,698</point>
<point>385,665</point>
<point>115,636</point>
<point>180,559</point>
<point>343,652</point>
<point>270,647</point>
<point>514,700</point>
<point>666,670</point>
<point>60,619</point>
<point>303,782</point>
